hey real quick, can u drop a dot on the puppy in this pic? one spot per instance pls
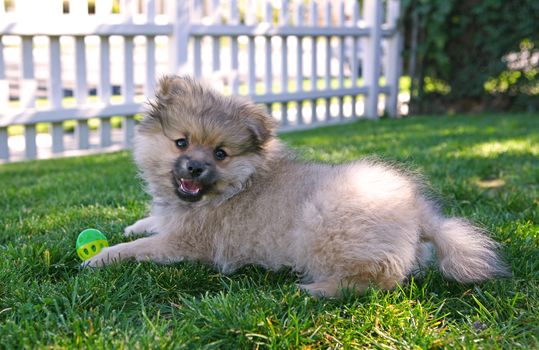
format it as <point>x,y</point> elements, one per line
<point>226,192</point>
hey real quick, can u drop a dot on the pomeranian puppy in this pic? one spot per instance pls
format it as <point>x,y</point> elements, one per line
<point>225,191</point>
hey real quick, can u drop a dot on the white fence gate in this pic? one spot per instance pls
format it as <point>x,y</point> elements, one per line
<point>67,67</point>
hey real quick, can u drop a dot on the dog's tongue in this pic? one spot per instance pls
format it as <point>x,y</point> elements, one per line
<point>190,186</point>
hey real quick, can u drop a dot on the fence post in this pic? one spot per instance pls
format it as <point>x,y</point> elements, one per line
<point>393,59</point>
<point>178,41</point>
<point>371,60</point>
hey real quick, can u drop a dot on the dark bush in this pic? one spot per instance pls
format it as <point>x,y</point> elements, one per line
<point>472,55</point>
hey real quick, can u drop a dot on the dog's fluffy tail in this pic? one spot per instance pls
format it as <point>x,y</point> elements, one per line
<point>464,252</point>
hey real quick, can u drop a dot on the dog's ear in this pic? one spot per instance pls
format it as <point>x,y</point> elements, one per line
<point>167,87</point>
<point>260,123</point>
<point>164,87</point>
<point>175,85</point>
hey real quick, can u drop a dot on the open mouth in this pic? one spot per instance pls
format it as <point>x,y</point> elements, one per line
<point>189,190</point>
<point>190,186</point>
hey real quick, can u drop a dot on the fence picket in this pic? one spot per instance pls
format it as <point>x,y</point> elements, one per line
<point>30,147</point>
<point>327,22</point>
<point>283,14</point>
<point>104,89</point>
<point>82,134</point>
<point>81,91</point>
<point>354,66</point>
<point>149,84</point>
<point>341,56</point>
<point>314,61</point>
<point>299,50</point>
<point>105,130</point>
<point>284,64</point>
<point>4,84</point>
<point>284,114</point>
<point>197,56</point>
<point>79,8</point>
<point>328,46</point>
<point>283,20</point>
<point>57,137</point>
<point>4,146</point>
<point>128,81</point>
<point>250,19</point>
<point>314,52</point>
<point>128,130</point>
<point>341,59</point>
<point>234,67</point>
<point>341,108</point>
<point>299,63</point>
<point>314,115</point>
<point>178,40</point>
<point>216,41</point>
<point>354,56</point>
<point>55,80</point>
<point>328,109</point>
<point>149,10</point>
<point>234,64</point>
<point>251,45</point>
<point>28,84</point>
<point>284,78</point>
<point>268,76</point>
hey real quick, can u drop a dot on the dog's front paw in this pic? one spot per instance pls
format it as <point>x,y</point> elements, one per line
<point>107,256</point>
<point>142,227</point>
<point>130,230</point>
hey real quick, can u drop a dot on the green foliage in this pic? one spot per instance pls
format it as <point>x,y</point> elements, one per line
<point>486,52</point>
<point>484,167</point>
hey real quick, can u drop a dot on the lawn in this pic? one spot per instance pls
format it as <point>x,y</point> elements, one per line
<point>484,167</point>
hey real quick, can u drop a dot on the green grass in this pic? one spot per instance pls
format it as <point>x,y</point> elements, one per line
<point>484,167</point>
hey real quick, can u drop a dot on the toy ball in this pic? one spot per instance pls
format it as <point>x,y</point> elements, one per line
<point>90,242</point>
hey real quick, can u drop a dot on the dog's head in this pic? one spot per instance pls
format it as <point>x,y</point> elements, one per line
<point>199,145</point>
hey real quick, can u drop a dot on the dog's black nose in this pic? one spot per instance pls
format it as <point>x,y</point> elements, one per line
<point>195,168</point>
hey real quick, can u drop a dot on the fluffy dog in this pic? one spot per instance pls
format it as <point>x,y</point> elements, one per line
<point>225,191</point>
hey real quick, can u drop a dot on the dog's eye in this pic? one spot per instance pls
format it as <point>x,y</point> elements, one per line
<point>220,154</point>
<point>181,143</point>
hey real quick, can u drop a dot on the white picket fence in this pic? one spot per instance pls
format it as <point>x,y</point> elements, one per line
<point>301,59</point>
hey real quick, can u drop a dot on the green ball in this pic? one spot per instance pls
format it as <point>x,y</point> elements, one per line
<point>90,242</point>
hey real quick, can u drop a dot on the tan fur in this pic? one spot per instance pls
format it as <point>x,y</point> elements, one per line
<point>344,226</point>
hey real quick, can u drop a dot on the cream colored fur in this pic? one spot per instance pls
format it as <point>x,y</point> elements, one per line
<point>341,226</point>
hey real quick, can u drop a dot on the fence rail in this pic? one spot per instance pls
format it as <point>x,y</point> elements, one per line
<point>310,63</point>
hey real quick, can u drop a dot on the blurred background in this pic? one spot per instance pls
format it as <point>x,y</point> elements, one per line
<point>75,74</point>
<point>472,55</point>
